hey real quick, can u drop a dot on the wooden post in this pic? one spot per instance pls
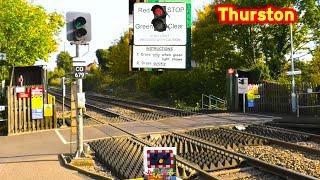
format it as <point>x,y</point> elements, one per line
<point>15,112</point>
<point>24,115</point>
<point>38,124</point>
<point>54,112</point>
<point>29,114</point>
<point>73,109</point>
<point>20,114</point>
<point>9,109</point>
<point>12,109</point>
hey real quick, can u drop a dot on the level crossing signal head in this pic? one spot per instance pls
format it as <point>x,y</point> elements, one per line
<point>159,20</point>
<point>80,31</point>
<point>78,27</point>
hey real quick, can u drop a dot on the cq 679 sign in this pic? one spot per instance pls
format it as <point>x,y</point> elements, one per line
<point>80,71</point>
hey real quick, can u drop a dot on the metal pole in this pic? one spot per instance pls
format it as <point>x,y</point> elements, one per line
<point>298,112</point>
<point>244,103</point>
<point>293,93</point>
<point>63,96</point>
<point>79,117</point>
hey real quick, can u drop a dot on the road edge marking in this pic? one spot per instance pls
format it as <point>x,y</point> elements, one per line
<point>60,136</point>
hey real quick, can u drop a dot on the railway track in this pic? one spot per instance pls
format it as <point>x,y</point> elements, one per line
<point>270,150</point>
<point>128,112</point>
<point>96,115</point>
<point>142,111</point>
<point>198,158</point>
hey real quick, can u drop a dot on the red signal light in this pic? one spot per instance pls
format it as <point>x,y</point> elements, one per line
<point>159,20</point>
<point>158,11</point>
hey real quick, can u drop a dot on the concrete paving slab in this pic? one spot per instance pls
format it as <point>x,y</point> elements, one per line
<point>44,168</point>
<point>31,144</point>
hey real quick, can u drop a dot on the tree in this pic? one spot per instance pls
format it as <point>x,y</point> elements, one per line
<point>220,46</point>
<point>119,56</point>
<point>27,32</point>
<point>102,56</point>
<point>315,67</point>
<point>64,61</point>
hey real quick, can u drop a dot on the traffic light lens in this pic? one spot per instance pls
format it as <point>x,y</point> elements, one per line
<point>80,21</point>
<point>81,32</point>
<point>158,12</point>
<point>159,25</point>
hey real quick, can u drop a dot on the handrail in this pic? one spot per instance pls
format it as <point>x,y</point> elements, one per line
<point>218,99</point>
<point>212,98</point>
<point>300,107</point>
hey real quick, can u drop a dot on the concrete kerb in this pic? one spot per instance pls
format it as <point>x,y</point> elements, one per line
<point>62,159</point>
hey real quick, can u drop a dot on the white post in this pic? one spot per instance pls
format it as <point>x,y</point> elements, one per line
<point>63,96</point>
<point>79,153</point>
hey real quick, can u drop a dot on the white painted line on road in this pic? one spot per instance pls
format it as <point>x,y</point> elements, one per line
<point>60,136</point>
<point>95,139</point>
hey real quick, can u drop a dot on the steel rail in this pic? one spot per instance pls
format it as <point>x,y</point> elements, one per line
<point>273,169</point>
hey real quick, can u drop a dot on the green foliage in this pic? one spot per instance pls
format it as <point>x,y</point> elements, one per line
<point>102,55</point>
<point>55,82</point>
<point>96,81</point>
<point>215,47</point>
<point>115,59</point>
<point>310,71</point>
<point>27,33</point>
<point>119,56</point>
<point>218,46</point>
<point>64,61</point>
<point>315,67</point>
<point>55,76</point>
<point>185,86</point>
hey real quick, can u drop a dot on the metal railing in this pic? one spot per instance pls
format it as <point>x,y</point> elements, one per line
<point>213,102</point>
<point>308,101</point>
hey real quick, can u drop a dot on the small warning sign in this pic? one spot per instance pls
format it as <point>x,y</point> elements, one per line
<point>48,110</point>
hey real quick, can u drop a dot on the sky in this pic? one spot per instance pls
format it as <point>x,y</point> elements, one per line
<point>109,21</point>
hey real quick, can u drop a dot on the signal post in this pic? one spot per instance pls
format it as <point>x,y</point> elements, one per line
<point>79,33</point>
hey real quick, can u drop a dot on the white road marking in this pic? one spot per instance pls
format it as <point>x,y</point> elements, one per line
<point>88,140</point>
<point>60,136</point>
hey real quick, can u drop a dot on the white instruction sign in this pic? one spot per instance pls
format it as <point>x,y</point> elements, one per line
<point>242,85</point>
<point>176,32</point>
<point>159,57</point>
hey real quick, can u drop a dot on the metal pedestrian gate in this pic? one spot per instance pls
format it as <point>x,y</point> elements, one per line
<point>29,110</point>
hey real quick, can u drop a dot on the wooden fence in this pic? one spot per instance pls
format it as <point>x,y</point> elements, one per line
<point>20,113</point>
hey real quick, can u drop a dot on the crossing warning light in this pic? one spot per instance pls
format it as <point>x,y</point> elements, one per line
<point>159,20</point>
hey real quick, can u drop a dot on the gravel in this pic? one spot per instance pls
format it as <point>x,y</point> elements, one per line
<point>297,161</point>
